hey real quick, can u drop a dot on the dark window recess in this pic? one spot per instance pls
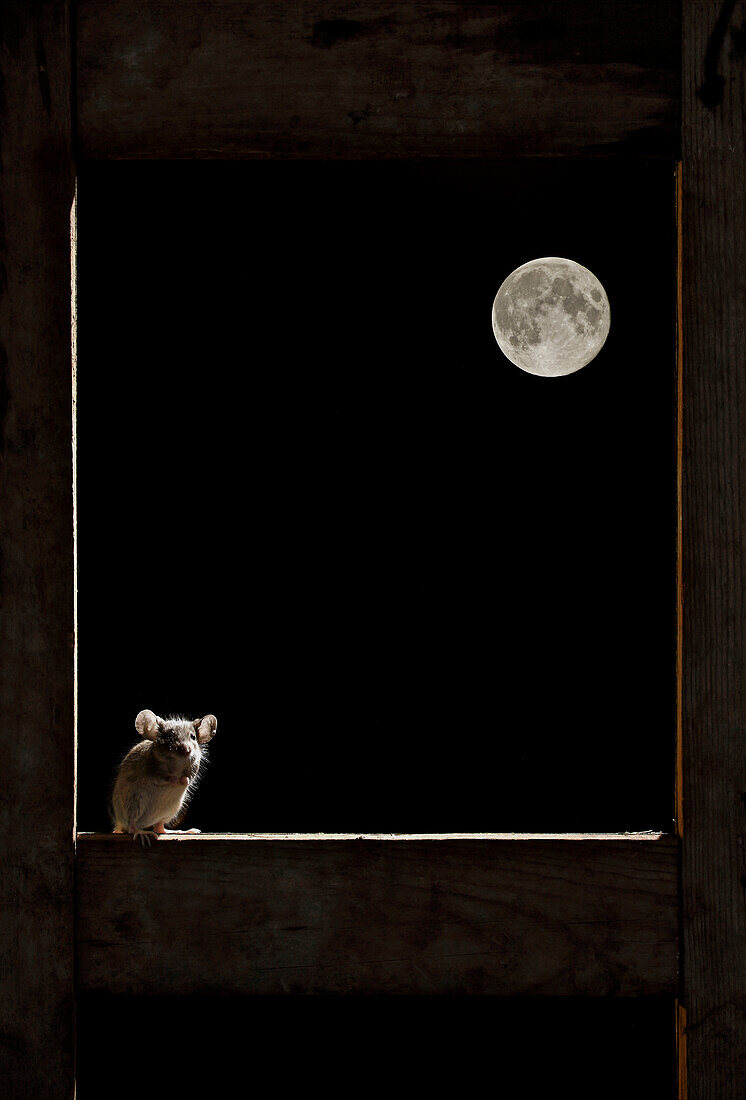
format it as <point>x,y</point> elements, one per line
<point>530,1047</point>
<point>421,589</point>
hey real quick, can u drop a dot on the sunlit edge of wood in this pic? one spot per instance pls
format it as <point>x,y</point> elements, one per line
<point>119,837</point>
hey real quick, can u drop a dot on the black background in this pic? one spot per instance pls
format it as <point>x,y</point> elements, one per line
<point>513,1049</point>
<point>421,589</point>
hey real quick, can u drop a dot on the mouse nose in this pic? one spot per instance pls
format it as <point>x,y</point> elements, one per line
<point>185,750</point>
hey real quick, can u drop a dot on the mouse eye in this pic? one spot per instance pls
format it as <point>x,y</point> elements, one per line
<point>194,736</point>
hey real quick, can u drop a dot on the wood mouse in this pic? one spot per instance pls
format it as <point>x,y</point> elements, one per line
<point>158,774</point>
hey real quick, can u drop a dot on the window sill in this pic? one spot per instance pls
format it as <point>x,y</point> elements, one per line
<point>568,914</point>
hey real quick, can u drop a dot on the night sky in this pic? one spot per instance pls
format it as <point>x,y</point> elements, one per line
<point>420,588</point>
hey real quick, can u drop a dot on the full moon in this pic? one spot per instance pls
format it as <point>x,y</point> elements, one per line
<point>551,316</point>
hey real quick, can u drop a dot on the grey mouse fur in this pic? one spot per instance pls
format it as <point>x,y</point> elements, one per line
<point>159,773</point>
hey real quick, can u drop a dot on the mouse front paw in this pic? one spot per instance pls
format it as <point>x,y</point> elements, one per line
<point>144,835</point>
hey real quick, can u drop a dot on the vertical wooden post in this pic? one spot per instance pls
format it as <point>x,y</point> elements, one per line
<point>36,566</point>
<point>714,510</point>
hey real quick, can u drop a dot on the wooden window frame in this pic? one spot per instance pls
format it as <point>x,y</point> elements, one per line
<point>598,915</point>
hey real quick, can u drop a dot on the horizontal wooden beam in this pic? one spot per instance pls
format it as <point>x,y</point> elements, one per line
<point>223,78</point>
<point>585,915</point>
<point>191,838</point>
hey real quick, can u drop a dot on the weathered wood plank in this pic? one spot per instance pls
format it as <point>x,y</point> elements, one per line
<point>505,917</point>
<point>191,838</point>
<point>36,560</point>
<point>222,78</point>
<point>714,511</point>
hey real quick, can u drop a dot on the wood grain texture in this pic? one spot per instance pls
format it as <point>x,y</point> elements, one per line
<point>513,917</point>
<point>36,561</point>
<point>714,510</point>
<point>222,78</point>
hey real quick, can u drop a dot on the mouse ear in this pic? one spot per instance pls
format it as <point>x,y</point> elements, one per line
<point>148,724</point>
<point>205,728</point>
